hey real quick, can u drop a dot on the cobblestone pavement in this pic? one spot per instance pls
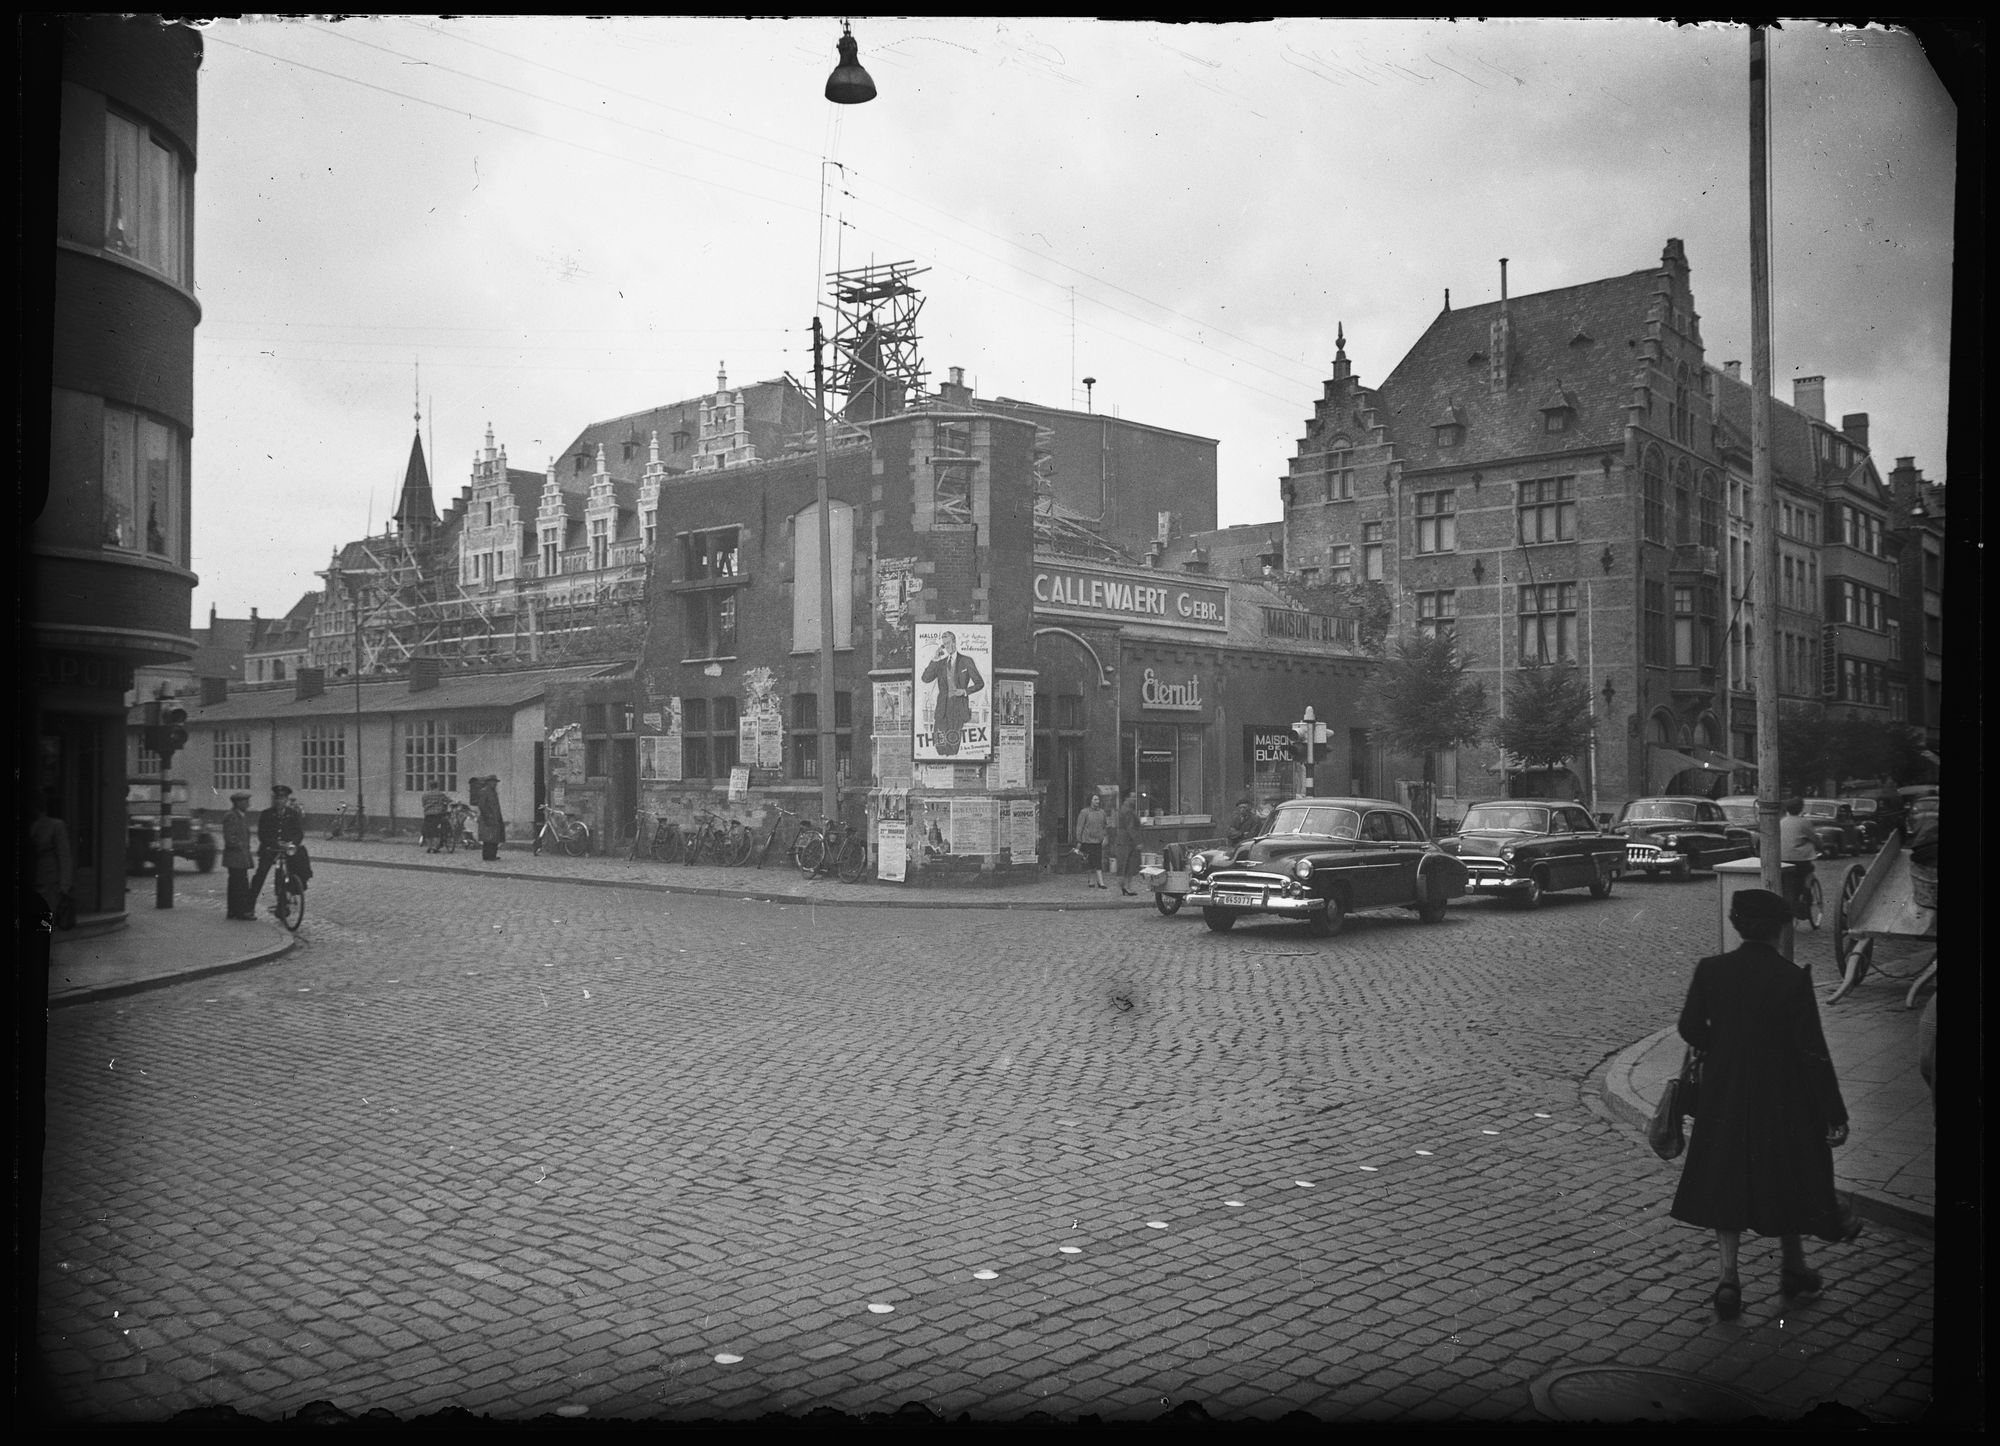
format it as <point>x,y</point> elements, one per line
<point>524,1147</point>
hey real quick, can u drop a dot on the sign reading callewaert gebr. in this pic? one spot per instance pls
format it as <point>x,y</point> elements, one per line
<point>1163,598</point>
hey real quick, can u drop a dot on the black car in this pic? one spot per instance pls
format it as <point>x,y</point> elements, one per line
<point>1520,848</point>
<point>1320,859</point>
<point>1836,814</point>
<point>1677,834</point>
<point>1828,837</point>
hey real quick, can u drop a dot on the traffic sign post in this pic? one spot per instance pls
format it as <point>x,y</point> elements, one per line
<point>1312,736</point>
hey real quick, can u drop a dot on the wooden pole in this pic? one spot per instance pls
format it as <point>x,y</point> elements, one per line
<point>1763,487</point>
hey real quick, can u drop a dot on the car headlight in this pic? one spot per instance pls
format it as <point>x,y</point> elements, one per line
<point>1506,853</point>
<point>1303,869</point>
<point>1669,840</point>
<point>1199,865</point>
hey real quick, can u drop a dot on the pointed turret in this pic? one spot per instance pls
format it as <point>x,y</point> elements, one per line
<point>416,514</point>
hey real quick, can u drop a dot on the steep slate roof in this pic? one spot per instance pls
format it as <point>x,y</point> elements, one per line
<point>1794,456</point>
<point>414,506</point>
<point>1585,335</point>
<point>393,695</point>
<point>1236,551</point>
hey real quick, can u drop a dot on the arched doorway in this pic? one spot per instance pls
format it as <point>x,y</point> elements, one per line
<point>1069,680</point>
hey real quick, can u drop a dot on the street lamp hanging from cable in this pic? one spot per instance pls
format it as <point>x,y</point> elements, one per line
<point>849,84</point>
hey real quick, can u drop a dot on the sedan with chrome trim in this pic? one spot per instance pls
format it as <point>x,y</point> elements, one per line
<point>1521,848</point>
<point>1677,834</point>
<point>1320,859</point>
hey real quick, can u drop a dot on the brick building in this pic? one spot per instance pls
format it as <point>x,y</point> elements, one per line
<point>109,536</point>
<point>1917,528</point>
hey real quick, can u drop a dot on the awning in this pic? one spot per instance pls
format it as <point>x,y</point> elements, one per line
<point>1715,758</point>
<point>1665,762</point>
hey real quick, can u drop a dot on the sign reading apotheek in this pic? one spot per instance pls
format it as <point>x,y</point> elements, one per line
<point>1162,598</point>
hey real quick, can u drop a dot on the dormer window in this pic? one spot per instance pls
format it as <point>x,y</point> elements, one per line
<point>1559,409</point>
<point>1556,419</point>
<point>1449,435</point>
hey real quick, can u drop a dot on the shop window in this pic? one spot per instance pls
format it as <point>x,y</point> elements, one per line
<point>1437,521</point>
<point>1548,510</point>
<point>148,200</point>
<point>322,757</point>
<point>1163,761</point>
<point>430,757</point>
<point>805,577</point>
<point>1548,622</point>
<point>232,759</point>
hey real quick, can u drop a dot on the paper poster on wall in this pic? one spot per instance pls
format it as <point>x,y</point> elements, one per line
<point>1023,832</point>
<point>936,775</point>
<point>892,709</point>
<point>968,775</point>
<point>1013,707</point>
<point>660,754</point>
<point>739,781</point>
<point>760,723</point>
<point>892,762</point>
<point>895,584</point>
<point>954,704</point>
<point>892,850</point>
<point>972,821</point>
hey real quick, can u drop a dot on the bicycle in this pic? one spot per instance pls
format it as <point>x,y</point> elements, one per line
<point>458,828</point>
<point>288,893</point>
<point>664,843</point>
<point>573,834</point>
<point>338,828</point>
<point>717,840</point>
<point>835,849</point>
<point>1808,900</point>
<point>804,829</point>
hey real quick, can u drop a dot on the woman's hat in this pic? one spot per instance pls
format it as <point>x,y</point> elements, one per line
<point>1759,906</point>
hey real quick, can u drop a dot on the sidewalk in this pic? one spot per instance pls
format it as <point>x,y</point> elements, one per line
<point>158,947</point>
<point>1888,1165</point>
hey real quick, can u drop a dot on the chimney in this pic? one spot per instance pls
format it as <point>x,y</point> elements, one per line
<point>1154,553</point>
<point>1197,560</point>
<point>311,683</point>
<point>213,691</point>
<point>955,393</point>
<point>423,674</point>
<point>1809,396</point>
<point>1500,337</point>
<point>1855,425</point>
<point>1733,370</point>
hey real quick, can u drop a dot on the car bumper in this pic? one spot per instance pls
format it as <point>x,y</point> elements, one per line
<point>1263,895</point>
<point>1496,884</point>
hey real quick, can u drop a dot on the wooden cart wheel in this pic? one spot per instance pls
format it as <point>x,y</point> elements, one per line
<point>1843,915</point>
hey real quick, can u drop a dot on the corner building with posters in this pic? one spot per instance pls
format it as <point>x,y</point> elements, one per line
<point>1062,674</point>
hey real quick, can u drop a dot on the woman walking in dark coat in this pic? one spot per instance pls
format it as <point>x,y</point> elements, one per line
<point>1760,1157</point>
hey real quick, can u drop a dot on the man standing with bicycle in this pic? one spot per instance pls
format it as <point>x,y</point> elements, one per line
<point>280,824</point>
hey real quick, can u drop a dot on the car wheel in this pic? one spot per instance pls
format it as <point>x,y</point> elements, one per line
<point>1328,922</point>
<point>1531,896</point>
<point>1220,920</point>
<point>1431,911</point>
<point>1168,904</point>
<point>1600,887</point>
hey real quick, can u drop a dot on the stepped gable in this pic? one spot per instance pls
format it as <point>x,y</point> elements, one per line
<point>1590,339</point>
<point>626,442</point>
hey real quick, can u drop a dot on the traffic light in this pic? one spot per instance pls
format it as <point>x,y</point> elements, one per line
<point>166,729</point>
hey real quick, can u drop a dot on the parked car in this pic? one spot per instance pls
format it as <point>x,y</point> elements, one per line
<point>1320,859</point>
<point>1833,813</point>
<point>190,836</point>
<point>1741,811</point>
<point>1522,848</point>
<point>1677,834</point>
<point>1877,818</point>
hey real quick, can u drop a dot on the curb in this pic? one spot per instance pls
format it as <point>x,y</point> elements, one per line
<point>1628,1108</point>
<point>751,894</point>
<point>91,994</point>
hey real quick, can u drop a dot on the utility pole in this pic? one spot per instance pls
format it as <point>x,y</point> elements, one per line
<point>829,784</point>
<point>1763,487</point>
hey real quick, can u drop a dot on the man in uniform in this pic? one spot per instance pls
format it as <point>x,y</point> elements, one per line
<point>282,823</point>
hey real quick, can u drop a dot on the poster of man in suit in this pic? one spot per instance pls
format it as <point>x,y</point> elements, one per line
<point>954,705</point>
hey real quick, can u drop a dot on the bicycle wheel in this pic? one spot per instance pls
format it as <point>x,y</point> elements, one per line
<point>667,843</point>
<point>576,840</point>
<point>698,847</point>
<point>853,860</point>
<point>449,842</point>
<point>297,913</point>
<point>737,846</point>
<point>809,851</point>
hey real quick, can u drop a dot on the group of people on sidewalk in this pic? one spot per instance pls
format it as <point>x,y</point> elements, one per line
<point>443,815</point>
<point>281,825</point>
<point>1102,834</point>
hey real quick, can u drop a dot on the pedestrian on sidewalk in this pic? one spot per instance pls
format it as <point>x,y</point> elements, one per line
<point>236,856</point>
<point>1769,1110</point>
<point>1091,826</point>
<point>492,827</point>
<point>1125,843</point>
<point>437,816</point>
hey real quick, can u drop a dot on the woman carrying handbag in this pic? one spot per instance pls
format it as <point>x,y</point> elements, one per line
<point>1770,1112</point>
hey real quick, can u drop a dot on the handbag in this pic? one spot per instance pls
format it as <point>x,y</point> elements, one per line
<point>65,910</point>
<point>1664,1131</point>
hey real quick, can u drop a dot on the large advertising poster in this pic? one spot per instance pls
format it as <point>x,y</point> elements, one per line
<point>954,668</point>
<point>1013,707</point>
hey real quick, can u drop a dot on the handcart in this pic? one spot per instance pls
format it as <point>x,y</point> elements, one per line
<point>1887,899</point>
<point>1165,871</point>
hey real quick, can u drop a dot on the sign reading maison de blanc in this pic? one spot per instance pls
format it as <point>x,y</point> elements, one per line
<point>1157,598</point>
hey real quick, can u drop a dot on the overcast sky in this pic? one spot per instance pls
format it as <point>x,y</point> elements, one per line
<point>561,221</point>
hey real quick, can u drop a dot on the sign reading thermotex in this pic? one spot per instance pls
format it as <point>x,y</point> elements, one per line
<point>1089,593</point>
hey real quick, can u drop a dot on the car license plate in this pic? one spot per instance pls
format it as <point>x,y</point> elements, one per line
<point>1247,901</point>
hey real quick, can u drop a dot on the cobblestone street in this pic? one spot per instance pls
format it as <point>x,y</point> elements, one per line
<point>518,1147</point>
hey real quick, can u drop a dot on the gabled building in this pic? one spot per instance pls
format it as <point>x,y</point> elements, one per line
<point>1541,477</point>
<point>280,646</point>
<point>1917,526</point>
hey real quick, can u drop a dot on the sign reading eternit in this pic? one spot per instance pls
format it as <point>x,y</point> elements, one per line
<point>1156,692</point>
<point>1083,592</point>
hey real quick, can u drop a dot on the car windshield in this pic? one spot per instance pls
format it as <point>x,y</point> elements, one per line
<point>1860,805</point>
<point>1506,815</point>
<point>1822,808</point>
<point>1739,812</point>
<point>1321,821</point>
<point>1659,810</point>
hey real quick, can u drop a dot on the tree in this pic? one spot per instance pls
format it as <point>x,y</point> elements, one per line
<point>1548,717</point>
<point>1805,749</point>
<point>1424,701</point>
<point>1865,748</point>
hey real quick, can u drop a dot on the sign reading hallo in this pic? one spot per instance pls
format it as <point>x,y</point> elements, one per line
<point>1157,598</point>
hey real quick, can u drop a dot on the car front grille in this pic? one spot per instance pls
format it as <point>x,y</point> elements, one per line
<point>1643,853</point>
